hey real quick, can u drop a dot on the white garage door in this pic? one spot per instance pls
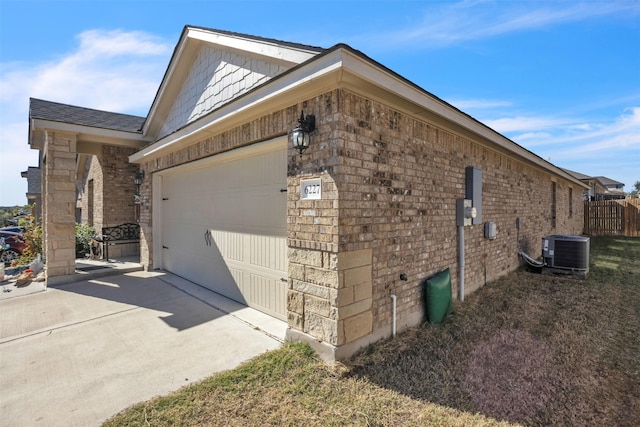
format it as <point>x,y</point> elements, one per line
<point>224,224</point>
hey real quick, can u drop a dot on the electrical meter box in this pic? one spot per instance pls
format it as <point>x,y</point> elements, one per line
<point>490,230</point>
<point>465,212</point>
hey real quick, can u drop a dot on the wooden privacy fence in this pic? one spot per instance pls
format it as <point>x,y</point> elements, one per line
<point>612,218</point>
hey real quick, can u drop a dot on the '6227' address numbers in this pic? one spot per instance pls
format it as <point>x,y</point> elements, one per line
<point>310,189</point>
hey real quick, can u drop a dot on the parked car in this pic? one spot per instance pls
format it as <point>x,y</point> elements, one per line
<point>14,222</point>
<point>13,229</point>
<point>11,246</point>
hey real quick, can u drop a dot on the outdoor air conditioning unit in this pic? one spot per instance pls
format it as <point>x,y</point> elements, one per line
<point>566,253</point>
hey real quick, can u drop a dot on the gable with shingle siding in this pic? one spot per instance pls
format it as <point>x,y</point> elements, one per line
<point>216,77</point>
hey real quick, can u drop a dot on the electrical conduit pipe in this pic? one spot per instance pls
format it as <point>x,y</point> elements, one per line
<point>461,261</point>
<point>393,323</point>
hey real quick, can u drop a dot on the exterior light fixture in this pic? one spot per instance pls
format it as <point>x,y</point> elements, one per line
<point>300,138</point>
<point>137,180</point>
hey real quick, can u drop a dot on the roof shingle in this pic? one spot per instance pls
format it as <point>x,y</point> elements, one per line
<point>54,111</point>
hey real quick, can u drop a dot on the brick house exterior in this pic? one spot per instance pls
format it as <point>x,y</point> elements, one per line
<point>391,159</point>
<point>33,175</point>
<point>85,174</point>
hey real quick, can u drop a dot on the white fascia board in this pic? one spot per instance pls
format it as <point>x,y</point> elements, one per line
<point>33,134</point>
<point>262,95</point>
<point>374,74</point>
<point>254,47</point>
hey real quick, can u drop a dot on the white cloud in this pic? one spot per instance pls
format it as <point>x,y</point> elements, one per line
<point>111,70</point>
<point>473,20</point>
<point>623,135</point>
<point>478,104</point>
<point>528,136</point>
<point>525,123</point>
<point>581,127</point>
<point>608,148</point>
<point>109,44</point>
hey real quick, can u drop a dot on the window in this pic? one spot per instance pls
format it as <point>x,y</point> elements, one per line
<point>570,202</point>
<point>553,204</point>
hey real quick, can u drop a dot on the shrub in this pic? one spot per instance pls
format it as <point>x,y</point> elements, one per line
<point>32,237</point>
<point>84,234</point>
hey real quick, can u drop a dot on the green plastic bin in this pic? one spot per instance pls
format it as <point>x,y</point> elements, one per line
<point>438,297</point>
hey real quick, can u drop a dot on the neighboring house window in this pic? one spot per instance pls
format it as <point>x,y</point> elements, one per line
<point>570,202</point>
<point>553,204</point>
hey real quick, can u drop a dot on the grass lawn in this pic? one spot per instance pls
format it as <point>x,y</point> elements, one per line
<point>527,349</point>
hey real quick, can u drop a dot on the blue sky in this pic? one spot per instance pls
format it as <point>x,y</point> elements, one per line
<point>561,78</point>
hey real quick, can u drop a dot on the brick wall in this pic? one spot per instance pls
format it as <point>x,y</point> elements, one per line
<point>92,214</point>
<point>118,189</point>
<point>398,189</point>
<point>113,187</point>
<point>389,189</point>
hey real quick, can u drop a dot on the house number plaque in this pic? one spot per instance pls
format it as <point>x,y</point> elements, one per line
<point>310,189</point>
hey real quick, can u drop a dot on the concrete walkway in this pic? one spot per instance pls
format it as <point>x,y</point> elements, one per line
<point>78,353</point>
<point>86,269</point>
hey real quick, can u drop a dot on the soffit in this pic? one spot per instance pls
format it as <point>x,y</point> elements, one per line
<point>84,134</point>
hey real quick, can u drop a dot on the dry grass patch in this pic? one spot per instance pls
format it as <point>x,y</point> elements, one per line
<point>528,349</point>
<point>290,387</point>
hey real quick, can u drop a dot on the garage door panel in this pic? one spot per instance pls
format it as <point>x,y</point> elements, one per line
<point>189,256</point>
<point>239,204</point>
<point>267,294</point>
<point>269,252</point>
<point>229,243</point>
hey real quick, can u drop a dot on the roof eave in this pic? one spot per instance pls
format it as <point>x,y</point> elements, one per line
<point>429,104</point>
<point>85,133</point>
<point>345,64</point>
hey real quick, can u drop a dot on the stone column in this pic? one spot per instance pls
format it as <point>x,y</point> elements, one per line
<point>329,303</point>
<point>60,200</point>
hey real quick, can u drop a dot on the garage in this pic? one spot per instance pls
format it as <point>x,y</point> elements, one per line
<point>223,224</point>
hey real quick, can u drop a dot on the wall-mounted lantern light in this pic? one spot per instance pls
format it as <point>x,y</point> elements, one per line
<point>300,137</point>
<point>137,180</point>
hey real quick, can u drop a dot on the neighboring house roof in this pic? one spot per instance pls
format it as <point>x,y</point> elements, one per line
<point>608,181</point>
<point>602,180</point>
<point>34,179</point>
<point>63,113</point>
<point>578,175</point>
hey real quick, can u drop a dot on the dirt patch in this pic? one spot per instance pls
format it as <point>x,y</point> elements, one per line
<point>511,375</point>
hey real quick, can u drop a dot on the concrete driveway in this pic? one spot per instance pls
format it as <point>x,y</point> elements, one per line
<point>78,353</point>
